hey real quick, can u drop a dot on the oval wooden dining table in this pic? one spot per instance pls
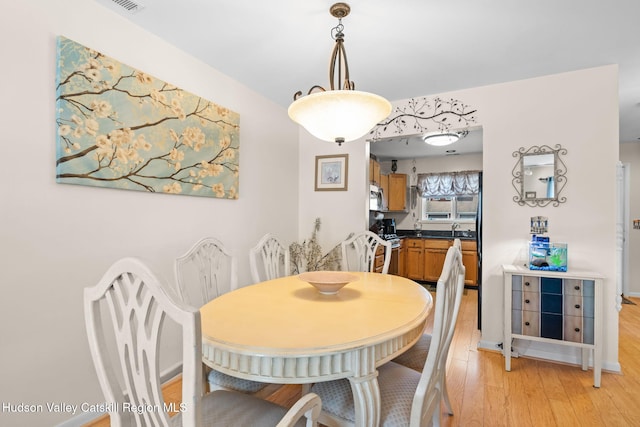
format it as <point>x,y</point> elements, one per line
<point>284,331</point>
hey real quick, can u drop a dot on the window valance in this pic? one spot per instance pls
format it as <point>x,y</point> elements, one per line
<point>448,183</point>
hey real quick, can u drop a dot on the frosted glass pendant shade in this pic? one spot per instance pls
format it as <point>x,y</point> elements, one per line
<point>339,115</point>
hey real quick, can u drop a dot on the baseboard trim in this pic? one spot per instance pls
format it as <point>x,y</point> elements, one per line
<point>86,417</point>
<point>490,345</point>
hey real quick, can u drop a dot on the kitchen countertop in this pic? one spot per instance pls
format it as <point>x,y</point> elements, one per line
<point>438,234</point>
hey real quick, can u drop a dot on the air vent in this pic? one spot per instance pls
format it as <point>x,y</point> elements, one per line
<point>128,5</point>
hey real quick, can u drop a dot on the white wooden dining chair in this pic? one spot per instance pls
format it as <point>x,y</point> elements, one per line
<point>416,356</point>
<point>269,259</point>
<point>206,271</point>
<point>137,305</point>
<point>359,252</point>
<point>408,397</point>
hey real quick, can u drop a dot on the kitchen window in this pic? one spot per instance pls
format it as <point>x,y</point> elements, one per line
<point>448,195</point>
<point>449,207</point>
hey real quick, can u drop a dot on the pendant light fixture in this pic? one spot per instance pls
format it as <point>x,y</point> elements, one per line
<point>342,114</point>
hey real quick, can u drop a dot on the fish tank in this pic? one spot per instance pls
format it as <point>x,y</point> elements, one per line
<point>547,256</point>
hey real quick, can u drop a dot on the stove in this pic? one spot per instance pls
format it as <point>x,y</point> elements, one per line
<point>393,238</point>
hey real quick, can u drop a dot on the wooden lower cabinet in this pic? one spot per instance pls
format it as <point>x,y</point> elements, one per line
<point>402,259</point>
<point>470,261</point>
<point>435,252</point>
<point>425,259</point>
<point>415,259</point>
<point>398,261</point>
<point>378,262</point>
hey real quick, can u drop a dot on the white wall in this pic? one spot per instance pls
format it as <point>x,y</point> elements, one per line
<point>341,212</point>
<point>630,154</point>
<point>578,110</point>
<point>57,239</point>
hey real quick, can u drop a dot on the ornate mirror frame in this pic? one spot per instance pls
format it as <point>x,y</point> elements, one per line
<point>559,178</point>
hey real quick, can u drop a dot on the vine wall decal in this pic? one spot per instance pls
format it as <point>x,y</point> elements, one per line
<point>423,114</point>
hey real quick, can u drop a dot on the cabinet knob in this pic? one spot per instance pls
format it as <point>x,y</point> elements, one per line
<point>577,329</point>
<point>527,323</point>
<point>576,287</point>
<point>577,306</point>
<point>527,284</point>
<point>527,301</point>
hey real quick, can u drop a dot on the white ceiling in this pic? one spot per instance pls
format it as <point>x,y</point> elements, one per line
<point>401,49</point>
<point>410,147</point>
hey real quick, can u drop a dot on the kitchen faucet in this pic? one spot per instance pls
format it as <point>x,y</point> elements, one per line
<point>454,226</point>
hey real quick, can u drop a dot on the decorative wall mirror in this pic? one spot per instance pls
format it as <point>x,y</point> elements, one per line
<point>539,175</point>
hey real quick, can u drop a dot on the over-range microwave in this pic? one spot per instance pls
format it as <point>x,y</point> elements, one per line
<point>375,198</point>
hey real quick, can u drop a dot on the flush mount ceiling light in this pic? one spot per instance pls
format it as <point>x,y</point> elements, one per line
<point>443,138</point>
<point>343,114</point>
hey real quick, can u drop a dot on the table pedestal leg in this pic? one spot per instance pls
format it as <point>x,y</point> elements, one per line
<point>366,397</point>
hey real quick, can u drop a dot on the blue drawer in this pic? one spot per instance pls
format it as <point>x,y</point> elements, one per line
<point>551,326</point>
<point>551,285</point>
<point>551,303</point>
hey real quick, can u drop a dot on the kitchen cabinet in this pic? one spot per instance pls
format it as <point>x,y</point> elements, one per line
<point>397,263</point>
<point>384,186</point>
<point>394,187</point>
<point>470,261</point>
<point>402,262</point>
<point>435,252</point>
<point>374,172</point>
<point>554,307</point>
<point>378,261</point>
<point>397,194</point>
<point>425,259</point>
<point>415,259</point>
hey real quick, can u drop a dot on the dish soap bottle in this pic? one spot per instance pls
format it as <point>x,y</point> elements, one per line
<point>417,227</point>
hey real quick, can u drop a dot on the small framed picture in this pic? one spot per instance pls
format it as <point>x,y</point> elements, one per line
<point>529,194</point>
<point>332,172</point>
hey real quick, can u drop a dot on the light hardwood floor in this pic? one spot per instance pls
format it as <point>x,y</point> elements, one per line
<point>535,393</point>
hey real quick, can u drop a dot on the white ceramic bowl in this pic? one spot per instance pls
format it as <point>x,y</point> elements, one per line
<point>327,282</point>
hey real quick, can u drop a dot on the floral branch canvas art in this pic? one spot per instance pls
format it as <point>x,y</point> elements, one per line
<point>121,128</point>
